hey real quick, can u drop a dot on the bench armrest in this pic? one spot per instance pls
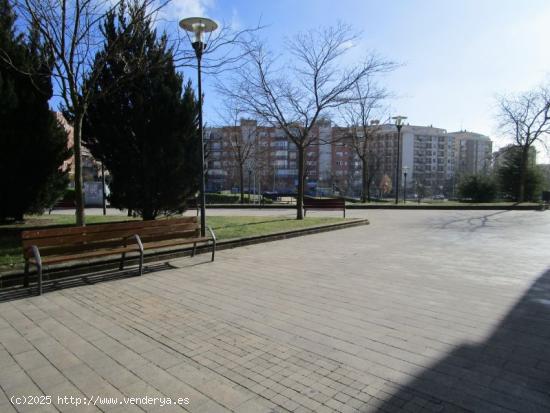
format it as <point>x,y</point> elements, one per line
<point>211,233</point>
<point>138,242</point>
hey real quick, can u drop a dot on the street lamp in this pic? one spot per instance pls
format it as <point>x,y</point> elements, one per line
<point>198,26</point>
<point>249,182</point>
<point>399,124</point>
<point>405,170</point>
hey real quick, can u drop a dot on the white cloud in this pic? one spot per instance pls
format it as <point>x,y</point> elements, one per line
<point>179,9</point>
<point>347,45</point>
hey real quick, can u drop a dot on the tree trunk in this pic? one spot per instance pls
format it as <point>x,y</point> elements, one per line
<point>148,215</point>
<point>301,178</point>
<point>78,181</point>
<point>241,178</point>
<point>364,181</point>
<point>523,173</point>
<point>369,184</point>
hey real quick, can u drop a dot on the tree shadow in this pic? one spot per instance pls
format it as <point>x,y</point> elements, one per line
<point>473,223</point>
<point>509,371</point>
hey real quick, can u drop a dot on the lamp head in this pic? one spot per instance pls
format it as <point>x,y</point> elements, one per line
<point>198,26</point>
<point>399,120</point>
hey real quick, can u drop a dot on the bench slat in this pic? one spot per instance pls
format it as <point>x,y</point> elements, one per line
<point>175,241</point>
<point>90,254</point>
<point>54,232</point>
<point>108,234</point>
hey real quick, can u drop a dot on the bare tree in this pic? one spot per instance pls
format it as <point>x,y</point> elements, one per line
<point>385,185</point>
<point>359,114</point>
<point>242,140</point>
<point>526,118</point>
<point>293,97</point>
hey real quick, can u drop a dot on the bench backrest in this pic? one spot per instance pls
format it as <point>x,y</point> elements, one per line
<point>54,241</point>
<point>324,203</point>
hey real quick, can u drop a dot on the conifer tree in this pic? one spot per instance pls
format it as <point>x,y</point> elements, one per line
<point>142,123</point>
<point>33,144</point>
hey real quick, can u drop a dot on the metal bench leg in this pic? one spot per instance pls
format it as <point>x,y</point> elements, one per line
<point>38,260</point>
<point>39,278</point>
<point>121,266</point>
<point>26,279</point>
<point>213,242</point>
<point>140,246</point>
<point>194,249</point>
<point>141,263</point>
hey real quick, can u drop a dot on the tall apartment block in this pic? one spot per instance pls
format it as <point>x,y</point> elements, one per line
<point>272,163</point>
<point>427,155</point>
<point>431,157</point>
<point>473,152</point>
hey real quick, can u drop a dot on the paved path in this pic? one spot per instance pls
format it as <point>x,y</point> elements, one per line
<point>420,311</point>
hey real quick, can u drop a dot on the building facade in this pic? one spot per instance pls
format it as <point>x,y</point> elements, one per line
<point>473,153</point>
<point>430,157</point>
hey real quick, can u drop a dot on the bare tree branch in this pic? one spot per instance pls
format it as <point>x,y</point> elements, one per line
<point>294,97</point>
<point>525,118</point>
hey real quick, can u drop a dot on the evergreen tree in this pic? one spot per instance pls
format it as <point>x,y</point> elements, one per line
<point>33,144</point>
<point>142,123</point>
<point>478,188</point>
<point>510,175</point>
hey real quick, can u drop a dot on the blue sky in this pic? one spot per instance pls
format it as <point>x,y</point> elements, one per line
<point>457,56</point>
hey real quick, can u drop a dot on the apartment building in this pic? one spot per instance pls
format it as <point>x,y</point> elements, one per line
<point>427,156</point>
<point>430,156</point>
<point>473,152</point>
<point>272,161</point>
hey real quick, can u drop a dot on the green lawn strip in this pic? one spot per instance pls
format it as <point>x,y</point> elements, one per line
<point>245,226</point>
<point>225,227</point>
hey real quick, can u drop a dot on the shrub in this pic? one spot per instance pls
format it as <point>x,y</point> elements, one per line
<point>478,188</point>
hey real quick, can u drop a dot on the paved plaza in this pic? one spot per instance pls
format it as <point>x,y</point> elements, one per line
<point>419,311</point>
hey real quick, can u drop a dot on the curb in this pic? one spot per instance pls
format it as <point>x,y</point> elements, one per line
<point>90,266</point>
<point>452,207</point>
<point>390,206</point>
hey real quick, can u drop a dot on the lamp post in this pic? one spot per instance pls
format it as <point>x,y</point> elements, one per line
<point>249,182</point>
<point>103,196</point>
<point>405,170</point>
<point>399,124</point>
<point>198,26</point>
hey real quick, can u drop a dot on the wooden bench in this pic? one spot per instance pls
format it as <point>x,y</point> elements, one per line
<point>62,204</point>
<point>57,245</point>
<point>330,204</point>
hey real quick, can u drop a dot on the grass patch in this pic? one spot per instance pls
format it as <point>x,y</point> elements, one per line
<point>225,227</point>
<point>239,227</point>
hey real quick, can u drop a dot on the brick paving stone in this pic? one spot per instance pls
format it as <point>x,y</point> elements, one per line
<point>419,311</point>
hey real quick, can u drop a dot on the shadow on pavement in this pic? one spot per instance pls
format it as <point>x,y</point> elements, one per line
<point>510,371</point>
<point>472,223</point>
<point>54,284</point>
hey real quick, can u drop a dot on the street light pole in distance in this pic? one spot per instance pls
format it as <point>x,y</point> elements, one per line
<point>405,170</point>
<point>399,124</point>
